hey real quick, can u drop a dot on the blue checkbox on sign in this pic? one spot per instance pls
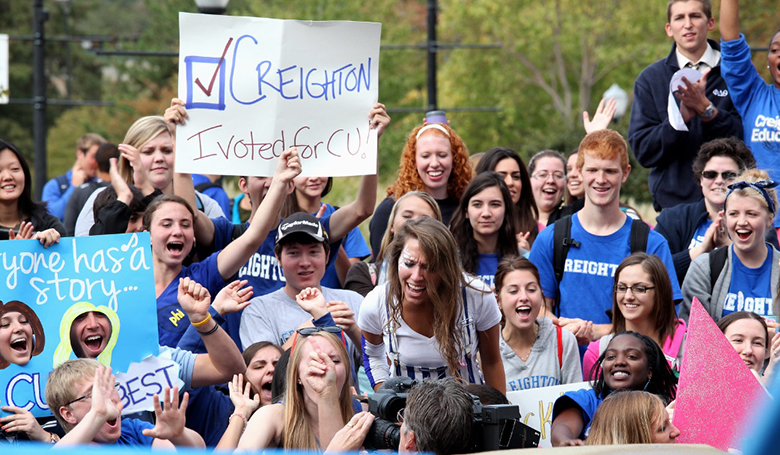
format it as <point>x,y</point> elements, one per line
<point>200,96</point>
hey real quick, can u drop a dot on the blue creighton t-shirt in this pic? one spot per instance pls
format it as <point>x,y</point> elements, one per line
<point>588,277</point>
<point>486,268</point>
<point>750,289</point>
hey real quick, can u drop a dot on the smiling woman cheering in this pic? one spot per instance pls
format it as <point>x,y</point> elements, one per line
<point>749,267</point>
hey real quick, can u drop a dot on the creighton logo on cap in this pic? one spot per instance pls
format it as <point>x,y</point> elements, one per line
<point>303,223</point>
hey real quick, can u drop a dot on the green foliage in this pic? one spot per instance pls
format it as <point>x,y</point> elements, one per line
<point>556,59</point>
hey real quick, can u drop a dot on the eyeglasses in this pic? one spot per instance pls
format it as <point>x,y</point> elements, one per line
<point>306,331</point>
<point>635,289</point>
<point>712,175</point>
<point>88,395</point>
<point>399,417</point>
<point>544,175</point>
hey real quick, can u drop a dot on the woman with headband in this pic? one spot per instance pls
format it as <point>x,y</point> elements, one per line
<point>749,268</point>
<point>435,161</point>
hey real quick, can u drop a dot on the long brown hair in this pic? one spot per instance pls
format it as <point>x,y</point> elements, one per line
<point>663,314</point>
<point>35,323</point>
<point>441,252</point>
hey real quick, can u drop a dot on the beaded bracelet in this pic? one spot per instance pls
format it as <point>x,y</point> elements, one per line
<point>242,418</point>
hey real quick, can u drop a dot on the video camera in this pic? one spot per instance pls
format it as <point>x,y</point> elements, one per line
<point>495,427</point>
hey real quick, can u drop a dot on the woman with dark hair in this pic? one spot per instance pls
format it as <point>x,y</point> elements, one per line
<point>221,418</point>
<point>536,353</point>
<point>434,160</point>
<point>484,227</point>
<point>18,211</point>
<point>697,228</point>
<point>430,318</point>
<point>642,302</point>
<point>632,361</point>
<point>21,334</point>
<point>508,164</point>
<point>748,334</point>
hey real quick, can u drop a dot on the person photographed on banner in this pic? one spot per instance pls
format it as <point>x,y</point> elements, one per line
<point>749,268</point>
<point>698,227</point>
<point>434,160</point>
<point>536,353</point>
<point>307,197</point>
<point>20,216</point>
<point>642,302</point>
<point>632,417</point>
<point>757,101</point>
<point>317,402</point>
<point>365,276</point>
<point>508,164</point>
<point>632,361</point>
<point>484,227</point>
<point>430,319</point>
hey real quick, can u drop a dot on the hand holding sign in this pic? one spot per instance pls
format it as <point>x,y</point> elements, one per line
<point>378,119</point>
<point>176,114</point>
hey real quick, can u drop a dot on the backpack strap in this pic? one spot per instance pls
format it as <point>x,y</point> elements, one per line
<point>559,333</point>
<point>201,187</point>
<point>717,262</point>
<point>62,182</point>
<point>561,242</point>
<point>640,231</point>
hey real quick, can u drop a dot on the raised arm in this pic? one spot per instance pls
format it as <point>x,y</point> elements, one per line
<point>346,218</point>
<point>103,409</point>
<point>176,114</point>
<point>241,249</point>
<point>729,20</point>
<point>224,358</point>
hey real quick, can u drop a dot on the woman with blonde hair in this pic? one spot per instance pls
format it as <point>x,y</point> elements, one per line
<point>317,402</point>
<point>434,160</point>
<point>749,267</point>
<point>430,318</point>
<point>147,158</point>
<point>363,277</point>
<point>632,417</point>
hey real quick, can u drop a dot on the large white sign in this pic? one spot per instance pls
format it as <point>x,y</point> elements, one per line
<point>536,406</point>
<point>254,87</point>
<point>4,93</point>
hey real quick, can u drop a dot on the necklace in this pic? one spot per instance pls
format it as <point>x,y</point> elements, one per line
<point>531,348</point>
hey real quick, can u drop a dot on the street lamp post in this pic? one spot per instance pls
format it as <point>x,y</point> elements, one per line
<point>40,15</point>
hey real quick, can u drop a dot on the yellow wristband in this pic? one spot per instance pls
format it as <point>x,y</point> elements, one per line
<point>200,323</point>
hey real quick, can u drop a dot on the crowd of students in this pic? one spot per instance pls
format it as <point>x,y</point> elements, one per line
<point>492,273</point>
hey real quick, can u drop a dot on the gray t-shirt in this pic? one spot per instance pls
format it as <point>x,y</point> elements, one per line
<point>274,317</point>
<point>543,368</point>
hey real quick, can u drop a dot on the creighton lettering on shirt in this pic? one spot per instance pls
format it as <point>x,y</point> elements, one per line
<point>533,382</point>
<point>590,267</point>
<point>586,288</point>
<point>262,266</point>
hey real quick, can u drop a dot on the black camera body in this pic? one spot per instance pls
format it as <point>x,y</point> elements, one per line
<point>495,427</point>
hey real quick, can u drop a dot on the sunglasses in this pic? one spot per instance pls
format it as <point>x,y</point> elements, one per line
<point>306,331</point>
<point>712,175</point>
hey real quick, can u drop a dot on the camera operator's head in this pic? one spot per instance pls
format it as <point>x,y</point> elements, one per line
<point>438,418</point>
